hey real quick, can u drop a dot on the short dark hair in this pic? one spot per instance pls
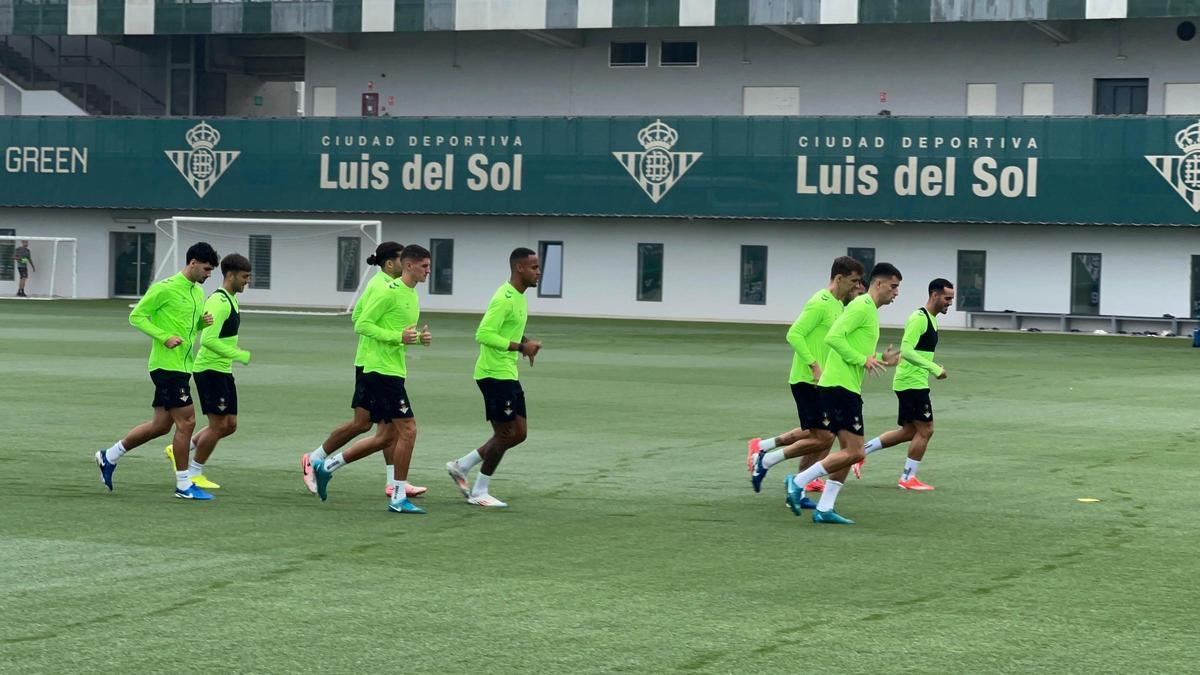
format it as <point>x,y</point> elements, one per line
<point>845,266</point>
<point>415,252</point>
<point>519,254</point>
<point>203,252</point>
<point>384,252</point>
<point>234,262</point>
<point>938,285</point>
<point>885,270</point>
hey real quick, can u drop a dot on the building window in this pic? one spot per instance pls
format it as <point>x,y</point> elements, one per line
<point>650,272</point>
<point>1196,287</point>
<point>679,54</point>
<point>349,251</point>
<point>7,251</point>
<point>866,256</point>
<point>441,278</point>
<point>1037,98</point>
<point>981,99</point>
<point>754,275</point>
<point>1124,96</point>
<point>1085,283</point>
<point>550,254</point>
<point>627,54</point>
<point>972,272</point>
<point>260,261</point>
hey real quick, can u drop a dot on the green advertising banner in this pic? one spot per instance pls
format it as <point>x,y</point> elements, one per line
<point>1143,170</point>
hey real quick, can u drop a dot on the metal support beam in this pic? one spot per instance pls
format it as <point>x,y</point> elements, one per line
<point>805,36</point>
<point>562,39</point>
<point>1061,32</point>
<point>338,41</point>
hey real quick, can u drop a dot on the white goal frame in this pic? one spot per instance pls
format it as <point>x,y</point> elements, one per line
<point>371,229</point>
<point>74,242</point>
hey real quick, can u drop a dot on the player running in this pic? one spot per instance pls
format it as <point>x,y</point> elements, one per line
<point>502,340</point>
<point>171,313</point>
<point>389,320</point>
<point>911,385</point>
<point>852,341</point>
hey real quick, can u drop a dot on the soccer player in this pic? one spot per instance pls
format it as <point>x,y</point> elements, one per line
<point>171,313</point>
<point>807,337</point>
<point>24,262</point>
<point>911,384</point>
<point>213,372</point>
<point>502,341</point>
<point>852,341</point>
<point>389,319</point>
<point>387,258</point>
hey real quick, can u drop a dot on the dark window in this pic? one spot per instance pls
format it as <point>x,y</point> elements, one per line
<point>650,272</point>
<point>7,247</point>
<point>1085,283</point>
<point>679,54</point>
<point>1122,96</point>
<point>627,54</point>
<point>1196,287</point>
<point>260,261</point>
<point>349,252</point>
<point>754,275</point>
<point>441,277</point>
<point>972,271</point>
<point>866,256</point>
<point>550,255</point>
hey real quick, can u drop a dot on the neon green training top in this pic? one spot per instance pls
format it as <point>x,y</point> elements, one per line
<point>380,280</point>
<point>916,352</point>
<point>503,323</point>
<point>851,339</point>
<point>807,334</point>
<point>219,342</point>
<point>171,307</point>
<point>383,319</point>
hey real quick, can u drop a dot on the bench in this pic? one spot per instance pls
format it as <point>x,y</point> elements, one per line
<point>1065,322</point>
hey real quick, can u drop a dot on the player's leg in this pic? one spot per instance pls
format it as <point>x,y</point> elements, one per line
<point>402,450</point>
<point>184,419</point>
<point>902,434</point>
<point>851,446</point>
<point>759,445</point>
<point>505,436</point>
<point>808,410</point>
<point>23,272</point>
<point>916,452</point>
<point>143,433</point>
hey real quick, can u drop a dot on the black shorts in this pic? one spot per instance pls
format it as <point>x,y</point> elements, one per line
<point>172,389</point>
<point>361,398</point>
<point>503,400</point>
<point>844,409</point>
<point>808,406</point>
<point>23,271</point>
<point>217,392</point>
<point>389,399</point>
<point>915,406</point>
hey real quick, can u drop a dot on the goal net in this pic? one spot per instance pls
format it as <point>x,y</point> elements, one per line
<point>299,266</point>
<point>52,266</point>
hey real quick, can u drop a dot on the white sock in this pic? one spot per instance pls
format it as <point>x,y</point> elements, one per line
<point>182,480</point>
<point>195,468</point>
<point>400,491</point>
<point>766,444</point>
<point>873,445</point>
<point>772,458</point>
<point>114,453</point>
<point>469,460</point>
<point>910,469</point>
<point>334,463</point>
<point>810,474</point>
<point>318,454</point>
<point>391,469</point>
<point>829,495</point>
<point>481,485</point>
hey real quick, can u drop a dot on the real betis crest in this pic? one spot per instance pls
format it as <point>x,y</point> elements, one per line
<point>1183,171</point>
<point>203,165</point>
<point>656,169</point>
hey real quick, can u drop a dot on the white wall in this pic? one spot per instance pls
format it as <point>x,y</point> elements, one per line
<point>1146,271</point>
<point>924,68</point>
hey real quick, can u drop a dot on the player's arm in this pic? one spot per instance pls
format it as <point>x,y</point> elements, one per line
<point>488,333</point>
<point>31,265</point>
<point>850,320</point>
<point>797,335</point>
<point>210,337</point>
<point>150,303</point>
<point>368,321</point>
<point>913,330</point>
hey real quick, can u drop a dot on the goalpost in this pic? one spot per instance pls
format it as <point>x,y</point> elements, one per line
<point>309,247</point>
<point>48,252</point>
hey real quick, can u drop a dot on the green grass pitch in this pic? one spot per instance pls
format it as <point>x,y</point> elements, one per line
<point>633,542</point>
